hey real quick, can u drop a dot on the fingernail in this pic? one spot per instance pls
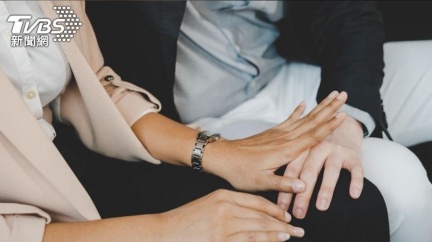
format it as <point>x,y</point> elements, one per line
<point>338,115</point>
<point>323,204</point>
<point>356,192</point>
<point>287,217</point>
<point>283,236</point>
<point>302,104</point>
<point>299,213</point>
<point>333,94</point>
<point>339,97</point>
<point>298,186</point>
<point>299,232</point>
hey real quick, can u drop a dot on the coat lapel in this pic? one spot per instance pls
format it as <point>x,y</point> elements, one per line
<point>23,131</point>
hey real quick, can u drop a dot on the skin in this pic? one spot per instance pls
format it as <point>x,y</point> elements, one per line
<point>248,164</point>
<point>340,150</point>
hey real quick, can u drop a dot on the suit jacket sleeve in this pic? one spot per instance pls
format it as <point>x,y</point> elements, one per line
<point>348,39</point>
<point>19,222</point>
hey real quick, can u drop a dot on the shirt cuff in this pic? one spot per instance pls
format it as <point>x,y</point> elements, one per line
<point>361,116</point>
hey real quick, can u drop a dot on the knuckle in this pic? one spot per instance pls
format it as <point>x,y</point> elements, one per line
<point>333,107</point>
<point>221,194</point>
<point>358,169</point>
<point>289,152</point>
<point>258,181</point>
<point>280,213</point>
<point>313,137</point>
<point>313,133</point>
<point>301,200</point>
<point>326,190</point>
<point>312,118</point>
<point>309,173</point>
<point>222,209</point>
<point>293,170</point>
<point>334,165</point>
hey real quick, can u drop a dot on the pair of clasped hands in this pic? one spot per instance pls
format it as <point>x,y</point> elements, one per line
<point>249,165</point>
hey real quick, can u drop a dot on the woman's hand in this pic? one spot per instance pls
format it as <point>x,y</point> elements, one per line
<point>228,216</point>
<point>220,216</point>
<point>249,164</point>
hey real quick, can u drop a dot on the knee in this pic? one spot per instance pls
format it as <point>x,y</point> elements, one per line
<point>400,177</point>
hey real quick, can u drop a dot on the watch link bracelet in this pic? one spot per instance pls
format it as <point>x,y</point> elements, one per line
<point>204,138</point>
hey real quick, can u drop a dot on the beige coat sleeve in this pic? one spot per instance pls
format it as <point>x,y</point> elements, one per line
<point>22,223</point>
<point>132,101</point>
<point>83,105</point>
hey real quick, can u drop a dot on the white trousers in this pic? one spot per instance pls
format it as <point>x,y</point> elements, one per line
<point>407,96</point>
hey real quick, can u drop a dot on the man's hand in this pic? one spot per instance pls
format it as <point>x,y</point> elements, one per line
<point>249,164</point>
<point>339,150</point>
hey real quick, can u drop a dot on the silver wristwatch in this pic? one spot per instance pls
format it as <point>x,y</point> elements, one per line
<point>204,137</point>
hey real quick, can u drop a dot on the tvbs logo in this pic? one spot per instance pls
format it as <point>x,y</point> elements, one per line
<point>63,28</point>
<point>21,25</point>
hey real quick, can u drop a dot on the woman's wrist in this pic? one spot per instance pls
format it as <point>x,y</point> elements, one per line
<point>213,160</point>
<point>165,139</point>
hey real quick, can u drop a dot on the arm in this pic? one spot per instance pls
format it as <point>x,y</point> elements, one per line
<point>348,38</point>
<point>245,217</point>
<point>248,164</point>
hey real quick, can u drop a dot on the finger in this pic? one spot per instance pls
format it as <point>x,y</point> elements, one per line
<point>296,115</point>
<point>281,183</point>
<point>357,180</point>
<point>248,213</point>
<point>326,101</point>
<point>259,236</point>
<point>260,204</point>
<point>320,106</point>
<point>312,138</point>
<point>249,225</point>
<point>332,170</point>
<point>309,175</point>
<point>312,121</point>
<point>293,170</point>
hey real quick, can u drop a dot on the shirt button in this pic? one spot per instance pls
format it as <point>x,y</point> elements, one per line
<point>109,78</point>
<point>30,95</point>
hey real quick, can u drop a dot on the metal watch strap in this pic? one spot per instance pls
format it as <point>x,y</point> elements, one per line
<point>204,138</point>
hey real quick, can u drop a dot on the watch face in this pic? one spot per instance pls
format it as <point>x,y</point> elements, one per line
<point>209,136</point>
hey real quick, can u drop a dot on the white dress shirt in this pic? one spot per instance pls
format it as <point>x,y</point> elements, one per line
<point>39,74</point>
<point>226,55</point>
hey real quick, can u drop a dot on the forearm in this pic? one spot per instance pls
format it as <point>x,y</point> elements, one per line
<point>349,37</point>
<point>133,228</point>
<point>165,139</point>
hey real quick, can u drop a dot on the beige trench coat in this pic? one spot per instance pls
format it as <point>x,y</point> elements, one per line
<point>36,184</point>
